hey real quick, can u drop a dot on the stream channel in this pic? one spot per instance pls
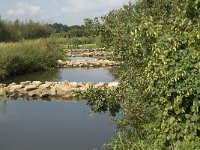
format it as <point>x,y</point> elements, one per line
<point>55,125</point>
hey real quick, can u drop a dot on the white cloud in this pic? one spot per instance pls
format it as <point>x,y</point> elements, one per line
<point>78,6</point>
<point>64,11</point>
<point>23,9</point>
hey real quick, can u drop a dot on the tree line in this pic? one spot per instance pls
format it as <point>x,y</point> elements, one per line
<point>19,30</point>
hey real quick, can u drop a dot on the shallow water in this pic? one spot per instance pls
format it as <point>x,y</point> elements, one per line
<point>75,75</point>
<point>55,125</point>
<point>82,59</point>
<point>37,125</point>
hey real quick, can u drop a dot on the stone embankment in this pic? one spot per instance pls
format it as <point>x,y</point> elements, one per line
<point>61,90</point>
<point>88,64</point>
<point>96,53</point>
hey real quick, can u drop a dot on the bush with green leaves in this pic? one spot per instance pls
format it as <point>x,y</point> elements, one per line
<point>159,42</point>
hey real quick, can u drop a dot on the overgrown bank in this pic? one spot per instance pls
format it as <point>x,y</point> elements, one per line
<point>28,56</point>
<point>159,42</point>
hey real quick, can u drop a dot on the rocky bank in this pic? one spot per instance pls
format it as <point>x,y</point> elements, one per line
<point>61,90</point>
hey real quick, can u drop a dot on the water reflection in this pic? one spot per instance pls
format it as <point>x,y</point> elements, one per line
<point>76,75</point>
<point>50,75</point>
<point>52,125</point>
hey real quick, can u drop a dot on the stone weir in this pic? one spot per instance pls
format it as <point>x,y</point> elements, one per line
<point>49,90</point>
<point>88,64</point>
<point>97,53</point>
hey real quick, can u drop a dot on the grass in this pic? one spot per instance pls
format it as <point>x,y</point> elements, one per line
<point>28,56</point>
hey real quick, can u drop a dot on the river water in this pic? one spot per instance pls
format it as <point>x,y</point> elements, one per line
<point>55,125</point>
<point>76,75</point>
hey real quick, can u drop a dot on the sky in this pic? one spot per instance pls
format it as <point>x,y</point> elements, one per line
<point>69,12</point>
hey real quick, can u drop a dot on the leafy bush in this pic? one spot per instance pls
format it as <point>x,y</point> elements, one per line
<point>159,42</point>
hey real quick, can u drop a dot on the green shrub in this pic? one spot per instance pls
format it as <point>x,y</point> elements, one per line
<point>28,56</point>
<point>159,42</point>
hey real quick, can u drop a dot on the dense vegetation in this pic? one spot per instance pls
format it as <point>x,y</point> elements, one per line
<point>30,53</point>
<point>17,31</point>
<point>159,42</point>
<point>28,56</point>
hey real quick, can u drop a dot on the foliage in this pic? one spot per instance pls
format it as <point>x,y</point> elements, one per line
<point>16,31</point>
<point>173,74</point>
<point>28,56</point>
<point>77,41</point>
<point>159,42</point>
<point>101,100</point>
<point>59,28</point>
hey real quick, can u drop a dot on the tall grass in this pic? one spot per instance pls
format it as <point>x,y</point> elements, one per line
<point>28,56</point>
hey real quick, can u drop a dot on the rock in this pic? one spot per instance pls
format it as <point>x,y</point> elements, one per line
<point>73,85</point>
<point>53,91</point>
<point>59,61</point>
<point>30,87</point>
<point>113,84</point>
<point>66,82</point>
<point>11,85</point>
<point>1,85</point>
<point>15,88</point>
<point>37,83</point>
<point>2,92</point>
<point>62,89</point>
<point>101,84</point>
<point>44,86</point>
<point>44,94</point>
<point>91,65</point>
<point>25,83</point>
<point>32,94</point>
<point>50,83</point>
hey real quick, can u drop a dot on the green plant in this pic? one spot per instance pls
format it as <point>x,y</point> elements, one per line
<point>28,56</point>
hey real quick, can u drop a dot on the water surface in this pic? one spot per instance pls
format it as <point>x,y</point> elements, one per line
<point>37,125</point>
<point>75,75</point>
<point>82,59</point>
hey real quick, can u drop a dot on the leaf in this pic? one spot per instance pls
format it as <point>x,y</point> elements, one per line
<point>195,118</point>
